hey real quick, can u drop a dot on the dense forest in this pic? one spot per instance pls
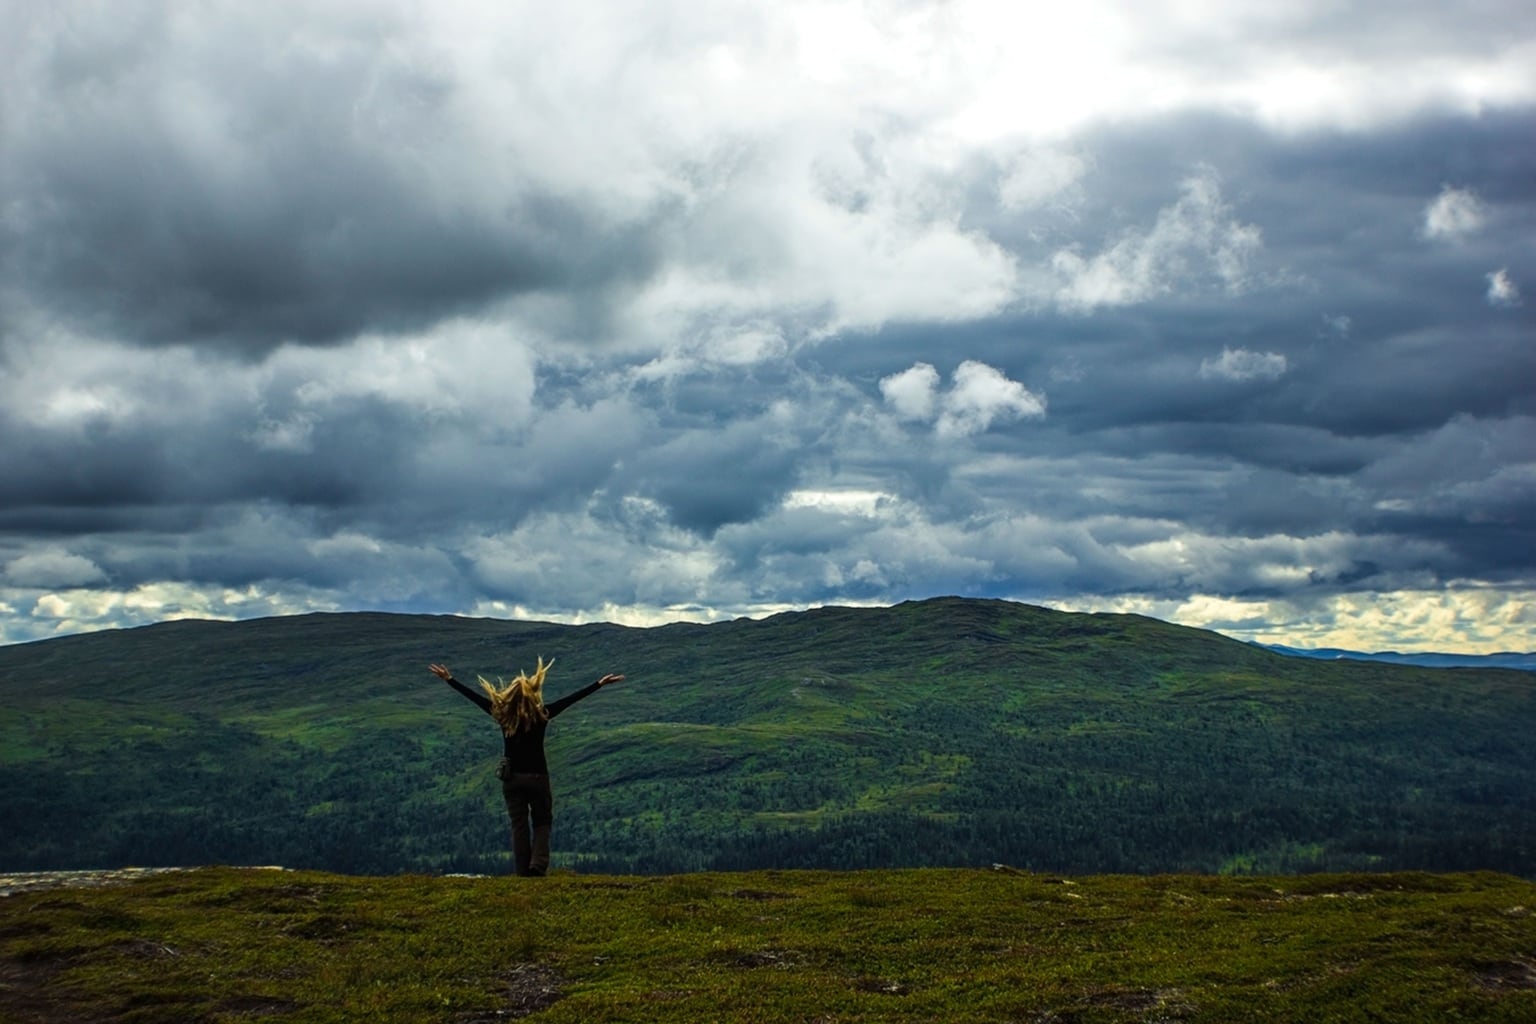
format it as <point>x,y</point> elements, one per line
<point>941,732</point>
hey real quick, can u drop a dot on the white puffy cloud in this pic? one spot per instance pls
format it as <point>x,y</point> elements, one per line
<point>1195,239</point>
<point>76,610</point>
<point>474,369</point>
<point>52,568</point>
<point>550,560</point>
<point>979,395</point>
<point>1502,290</point>
<point>1041,176</point>
<point>1240,364</point>
<point>914,392</point>
<point>1455,214</point>
<point>1004,69</point>
<point>1470,619</point>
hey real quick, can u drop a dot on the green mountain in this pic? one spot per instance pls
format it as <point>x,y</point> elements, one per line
<point>946,732</point>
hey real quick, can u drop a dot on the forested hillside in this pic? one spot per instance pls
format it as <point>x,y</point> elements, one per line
<point>941,732</point>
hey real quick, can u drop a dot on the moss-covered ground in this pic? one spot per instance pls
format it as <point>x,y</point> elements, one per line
<point>220,944</point>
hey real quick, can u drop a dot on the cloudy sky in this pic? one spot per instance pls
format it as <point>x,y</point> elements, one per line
<point>1217,311</point>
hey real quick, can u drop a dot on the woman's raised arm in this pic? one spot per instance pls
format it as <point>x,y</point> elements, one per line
<point>481,700</point>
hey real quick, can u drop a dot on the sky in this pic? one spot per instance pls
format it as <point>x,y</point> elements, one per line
<point>1219,312</point>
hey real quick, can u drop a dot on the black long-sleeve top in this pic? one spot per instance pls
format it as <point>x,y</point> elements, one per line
<point>524,750</point>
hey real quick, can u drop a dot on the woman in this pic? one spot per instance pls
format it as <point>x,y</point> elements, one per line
<point>519,708</point>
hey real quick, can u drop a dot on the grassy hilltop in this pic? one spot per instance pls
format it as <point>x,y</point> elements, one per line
<point>959,946</point>
<point>948,732</point>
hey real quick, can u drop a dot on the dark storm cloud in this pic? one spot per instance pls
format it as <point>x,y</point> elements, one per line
<point>1341,219</point>
<point>707,478</point>
<point>261,191</point>
<point>213,463</point>
<point>1321,398</point>
<point>1341,214</point>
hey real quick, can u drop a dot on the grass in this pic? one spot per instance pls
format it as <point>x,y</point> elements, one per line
<point>219,944</point>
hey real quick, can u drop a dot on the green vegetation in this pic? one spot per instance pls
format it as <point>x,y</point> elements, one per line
<point>938,733</point>
<point>214,945</point>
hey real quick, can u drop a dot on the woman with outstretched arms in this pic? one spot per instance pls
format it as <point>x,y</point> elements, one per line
<point>518,708</point>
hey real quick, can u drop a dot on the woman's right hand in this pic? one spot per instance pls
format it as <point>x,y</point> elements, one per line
<point>441,671</point>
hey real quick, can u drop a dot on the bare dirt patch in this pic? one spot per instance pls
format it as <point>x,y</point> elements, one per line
<point>144,949</point>
<point>1516,974</point>
<point>881,986</point>
<point>28,992</point>
<point>761,895</point>
<point>755,958</point>
<point>1168,1003</point>
<point>530,988</point>
<point>254,1006</point>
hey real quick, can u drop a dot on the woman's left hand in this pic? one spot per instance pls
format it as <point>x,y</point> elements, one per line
<point>441,671</point>
<point>609,679</point>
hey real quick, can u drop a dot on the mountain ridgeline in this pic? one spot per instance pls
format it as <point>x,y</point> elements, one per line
<point>946,732</point>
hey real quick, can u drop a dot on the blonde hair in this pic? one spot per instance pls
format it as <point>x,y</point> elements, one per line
<point>518,704</point>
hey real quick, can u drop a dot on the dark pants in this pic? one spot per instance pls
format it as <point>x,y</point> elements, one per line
<point>529,800</point>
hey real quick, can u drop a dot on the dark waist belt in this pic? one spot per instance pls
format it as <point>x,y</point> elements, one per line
<point>504,770</point>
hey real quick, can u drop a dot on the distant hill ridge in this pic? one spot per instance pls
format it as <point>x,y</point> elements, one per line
<point>944,732</point>
<point>1431,659</point>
